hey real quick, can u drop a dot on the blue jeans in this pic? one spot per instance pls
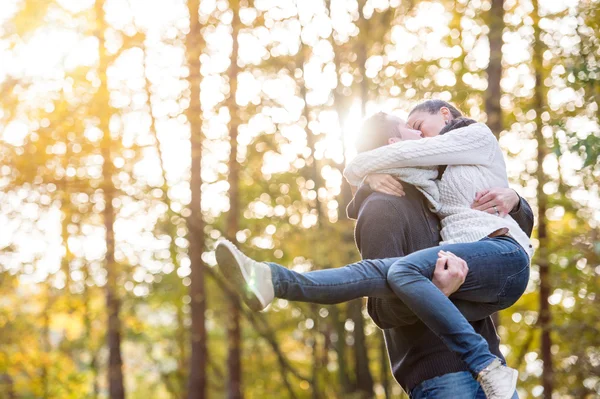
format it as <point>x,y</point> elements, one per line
<point>498,275</point>
<point>450,386</point>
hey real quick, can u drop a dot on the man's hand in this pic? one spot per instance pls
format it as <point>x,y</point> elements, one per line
<point>504,200</point>
<point>450,272</point>
<point>385,184</point>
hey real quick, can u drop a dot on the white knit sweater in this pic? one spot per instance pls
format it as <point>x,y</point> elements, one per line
<point>475,162</point>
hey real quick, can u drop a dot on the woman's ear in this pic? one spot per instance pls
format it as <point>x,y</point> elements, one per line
<point>446,114</point>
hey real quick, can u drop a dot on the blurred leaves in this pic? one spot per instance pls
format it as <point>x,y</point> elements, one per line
<point>302,68</point>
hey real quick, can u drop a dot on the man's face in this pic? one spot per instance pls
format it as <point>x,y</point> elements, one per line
<point>407,133</point>
<point>429,124</point>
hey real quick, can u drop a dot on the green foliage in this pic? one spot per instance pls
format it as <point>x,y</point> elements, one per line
<point>305,74</point>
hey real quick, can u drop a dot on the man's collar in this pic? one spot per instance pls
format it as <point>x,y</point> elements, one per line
<point>354,206</point>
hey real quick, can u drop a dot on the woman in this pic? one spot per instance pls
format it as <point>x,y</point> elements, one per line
<point>496,250</point>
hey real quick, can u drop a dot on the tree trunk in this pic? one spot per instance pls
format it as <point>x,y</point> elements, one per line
<point>234,363</point>
<point>7,388</point>
<point>494,70</point>
<point>364,378</point>
<point>338,103</point>
<point>495,22</point>
<point>340,348</point>
<point>361,57</point>
<point>197,382</point>
<point>384,367</point>
<point>545,317</point>
<point>113,302</point>
<point>116,387</point>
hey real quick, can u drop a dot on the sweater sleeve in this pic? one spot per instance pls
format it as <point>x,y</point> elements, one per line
<point>470,145</point>
<point>523,215</point>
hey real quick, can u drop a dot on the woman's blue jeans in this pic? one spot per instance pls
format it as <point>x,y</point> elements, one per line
<point>498,275</point>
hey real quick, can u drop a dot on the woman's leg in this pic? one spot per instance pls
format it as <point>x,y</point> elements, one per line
<point>496,270</point>
<point>259,282</point>
<point>337,285</point>
<point>493,283</point>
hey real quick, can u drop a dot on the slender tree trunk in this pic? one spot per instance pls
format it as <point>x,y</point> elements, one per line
<point>361,57</point>
<point>180,336</point>
<point>495,18</point>
<point>385,367</point>
<point>234,363</point>
<point>338,103</point>
<point>495,22</point>
<point>315,388</point>
<point>7,388</point>
<point>364,378</point>
<point>545,317</point>
<point>113,302</point>
<point>116,387</point>
<point>313,175</point>
<point>194,43</point>
<point>340,348</point>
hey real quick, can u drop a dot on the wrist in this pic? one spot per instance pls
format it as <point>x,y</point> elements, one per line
<point>517,206</point>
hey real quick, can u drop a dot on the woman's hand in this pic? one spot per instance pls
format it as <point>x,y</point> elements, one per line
<point>497,201</point>
<point>385,184</point>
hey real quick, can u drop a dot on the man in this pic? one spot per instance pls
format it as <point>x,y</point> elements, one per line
<point>399,223</point>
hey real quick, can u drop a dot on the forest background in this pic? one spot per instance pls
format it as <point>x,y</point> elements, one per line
<point>134,134</point>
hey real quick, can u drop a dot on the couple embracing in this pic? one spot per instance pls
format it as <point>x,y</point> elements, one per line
<point>431,288</point>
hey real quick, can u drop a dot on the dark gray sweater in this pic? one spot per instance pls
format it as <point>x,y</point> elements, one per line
<point>389,226</point>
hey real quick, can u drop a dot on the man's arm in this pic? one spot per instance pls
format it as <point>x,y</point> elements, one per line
<point>523,215</point>
<point>506,201</point>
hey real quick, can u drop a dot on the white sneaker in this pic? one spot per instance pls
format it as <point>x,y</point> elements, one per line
<point>251,279</point>
<point>498,381</point>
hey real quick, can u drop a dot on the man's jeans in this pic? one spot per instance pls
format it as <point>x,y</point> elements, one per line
<point>450,386</point>
<point>497,277</point>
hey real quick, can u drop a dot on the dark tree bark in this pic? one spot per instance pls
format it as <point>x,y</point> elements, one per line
<point>364,378</point>
<point>7,388</point>
<point>313,174</point>
<point>234,363</point>
<point>116,388</point>
<point>340,348</point>
<point>545,317</point>
<point>495,20</point>
<point>194,43</point>
<point>384,367</point>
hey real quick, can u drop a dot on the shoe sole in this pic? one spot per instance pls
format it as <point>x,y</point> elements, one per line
<point>235,275</point>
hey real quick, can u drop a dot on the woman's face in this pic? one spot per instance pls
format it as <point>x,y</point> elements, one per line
<point>429,124</point>
<point>406,133</point>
